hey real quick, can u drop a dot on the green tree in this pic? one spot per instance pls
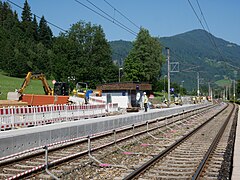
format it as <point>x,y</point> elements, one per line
<point>64,53</point>
<point>35,28</point>
<point>9,35</point>
<point>45,33</point>
<point>85,54</point>
<point>102,66</point>
<point>145,59</point>
<point>27,24</point>
<point>8,18</point>
<point>20,49</point>
<point>7,52</point>
<point>26,13</point>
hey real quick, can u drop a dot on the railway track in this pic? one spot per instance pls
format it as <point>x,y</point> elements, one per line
<point>112,154</point>
<point>198,155</point>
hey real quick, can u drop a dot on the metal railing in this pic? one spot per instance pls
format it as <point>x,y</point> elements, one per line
<point>21,116</point>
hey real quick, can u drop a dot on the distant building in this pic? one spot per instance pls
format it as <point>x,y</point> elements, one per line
<point>126,94</point>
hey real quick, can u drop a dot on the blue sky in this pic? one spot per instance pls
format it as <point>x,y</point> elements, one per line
<point>161,17</point>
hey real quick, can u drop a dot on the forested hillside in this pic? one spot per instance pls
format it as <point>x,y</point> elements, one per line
<point>120,51</point>
<point>195,49</point>
<point>27,44</point>
<point>195,52</point>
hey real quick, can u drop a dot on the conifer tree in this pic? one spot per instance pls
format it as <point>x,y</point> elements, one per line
<point>45,33</point>
<point>26,13</point>
<point>27,24</point>
<point>35,28</point>
<point>6,14</point>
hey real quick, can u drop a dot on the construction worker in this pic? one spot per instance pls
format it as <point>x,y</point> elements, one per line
<point>145,101</point>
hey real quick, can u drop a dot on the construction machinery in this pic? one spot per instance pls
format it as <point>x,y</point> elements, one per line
<point>58,95</point>
<point>81,93</point>
<point>47,89</point>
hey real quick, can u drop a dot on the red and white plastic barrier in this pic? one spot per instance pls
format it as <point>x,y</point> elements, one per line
<point>19,116</point>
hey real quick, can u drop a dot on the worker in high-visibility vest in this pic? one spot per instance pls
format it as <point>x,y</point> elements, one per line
<point>145,101</point>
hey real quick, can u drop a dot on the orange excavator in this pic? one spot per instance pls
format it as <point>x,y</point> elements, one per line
<point>58,95</point>
<point>30,75</point>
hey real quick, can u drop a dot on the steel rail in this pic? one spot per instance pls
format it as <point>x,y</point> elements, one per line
<point>40,151</point>
<point>146,165</point>
<point>212,147</point>
<point>67,158</point>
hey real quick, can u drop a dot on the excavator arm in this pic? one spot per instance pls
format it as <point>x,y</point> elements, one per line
<point>29,76</point>
<point>25,82</point>
<point>47,89</point>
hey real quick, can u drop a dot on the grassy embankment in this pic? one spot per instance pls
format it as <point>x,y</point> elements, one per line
<point>9,84</point>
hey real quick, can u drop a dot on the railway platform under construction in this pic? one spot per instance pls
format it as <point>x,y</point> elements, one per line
<point>19,140</point>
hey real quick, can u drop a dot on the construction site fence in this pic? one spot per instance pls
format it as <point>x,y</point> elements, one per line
<point>21,116</point>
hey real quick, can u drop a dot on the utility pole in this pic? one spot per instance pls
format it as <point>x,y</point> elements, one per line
<point>168,60</point>
<point>198,92</point>
<point>164,87</point>
<point>119,74</point>
<point>210,92</point>
<point>234,92</point>
<point>226,98</point>
<point>209,89</point>
<point>211,95</point>
<point>229,92</point>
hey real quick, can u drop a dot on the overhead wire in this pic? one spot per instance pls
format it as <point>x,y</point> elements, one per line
<point>196,14</point>
<point>212,39</point>
<point>201,21</point>
<point>221,54</point>
<point>122,14</point>
<point>56,26</point>
<point>111,19</point>
<point>173,53</point>
<point>208,32</point>
<point>211,36</point>
<point>63,30</point>
<point>110,16</point>
<point>203,16</point>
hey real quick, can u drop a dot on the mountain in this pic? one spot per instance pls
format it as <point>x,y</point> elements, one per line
<point>120,50</point>
<point>195,51</point>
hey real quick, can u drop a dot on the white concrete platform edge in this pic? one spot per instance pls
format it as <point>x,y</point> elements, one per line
<point>236,154</point>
